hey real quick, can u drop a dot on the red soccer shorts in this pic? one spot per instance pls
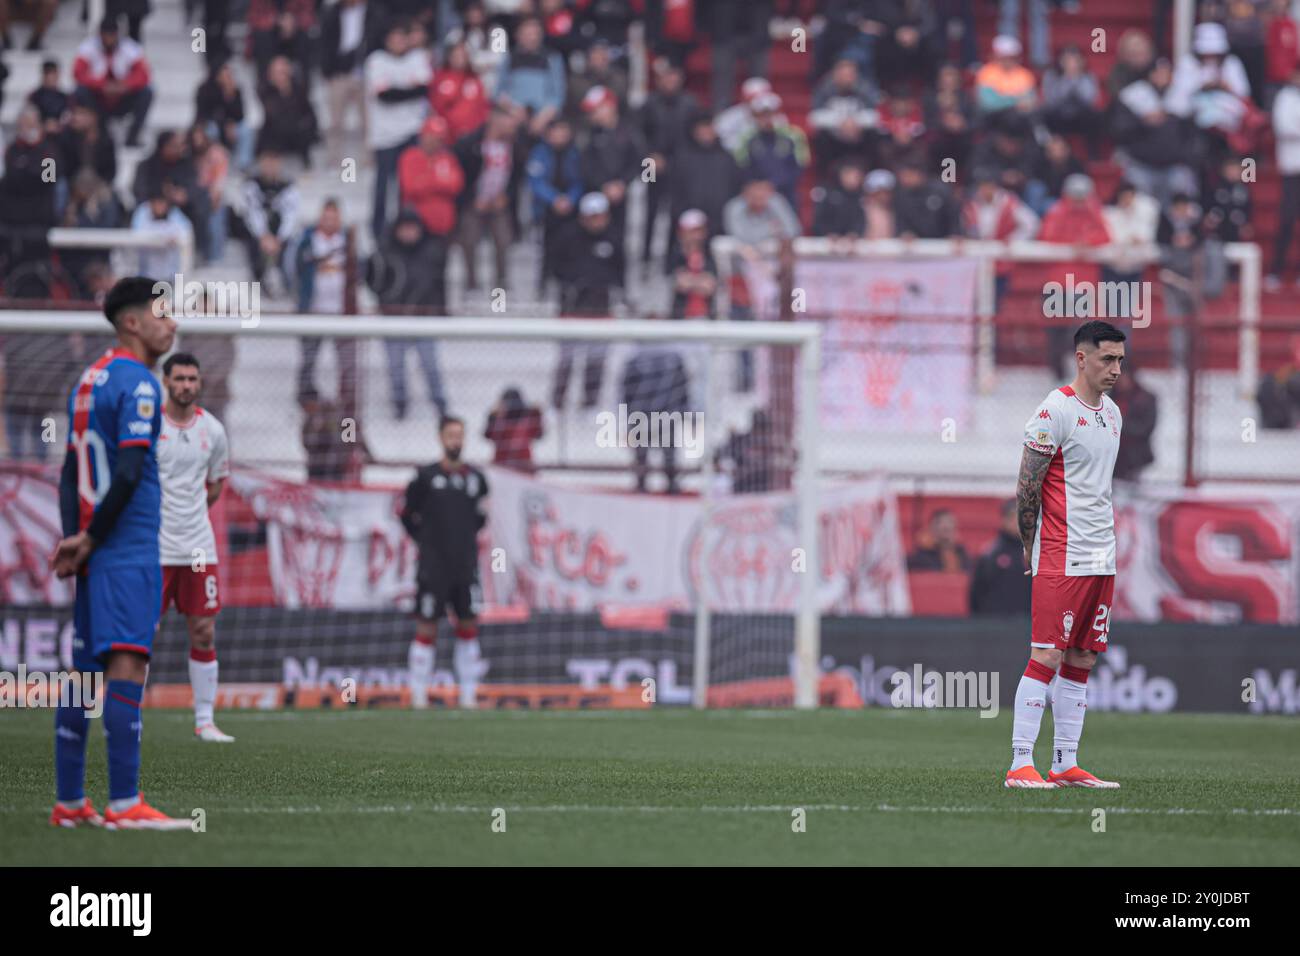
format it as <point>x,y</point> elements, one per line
<point>1072,612</point>
<point>195,592</point>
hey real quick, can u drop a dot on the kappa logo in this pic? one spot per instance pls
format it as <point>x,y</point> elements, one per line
<point>144,388</point>
<point>1044,414</point>
<point>1083,422</point>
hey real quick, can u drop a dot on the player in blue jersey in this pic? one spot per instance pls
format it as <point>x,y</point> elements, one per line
<point>111,505</point>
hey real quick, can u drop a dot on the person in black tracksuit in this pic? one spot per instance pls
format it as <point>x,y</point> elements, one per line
<point>443,513</point>
<point>665,120</point>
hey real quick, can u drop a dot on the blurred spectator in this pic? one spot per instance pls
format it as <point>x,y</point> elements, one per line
<point>397,90</point>
<point>115,73</point>
<point>288,119</point>
<point>430,179</point>
<point>695,275</point>
<point>882,221</point>
<point>1070,97</point>
<point>906,53</point>
<point>1133,58</point>
<point>49,99</point>
<point>1282,47</point>
<point>1138,407</point>
<point>39,13</point>
<point>159,215</point>
<point>757,460</point>
<point>739,31</point>
<point>220,104</point>
<point>656,382</point>
<point>325,265</point>
<point>1212,89</point>
<point>512,427</point>
<point>1004,82</point>
<point>212,164</point>
<point>533,76</point>
<point>613,154</point>
<point>995,213</point>
<point>902,128</point>
<point>329,457</point>
<point>1245,29</point>
<point>1131,220</point>
<point>949,117</point>
<point>938,547</point>
<point>28,198</point>
<point>408,272</point>
<point>665,120</point>
<point>492,162</point>
<point>457,94</point>
<point>484,56</point>
<point>775,149</point>
<point>1228,214</point>
<point>281,28</point>
<point>843,114</point>
<point>1279,392</point>
<point>133,11</point>
<point>348,29</point>
<point>839,211</point>
<point>600,70</point>
<point>560,26</point>
<point>84,143</point>
<point>714,176</point>
<point>91,205</point>
<point>270,219</point>
<point>555,183</point>
<point>1009,149</point>
<point>589,265</point>
<point>170,169</point>
<point>1156,149</point>
<point>1286,129</point>
<point>1075,220</point>
<point>923,206</point>
<point>736,122</point>
<point>999,585</point>
<point>1040,37</point>
<point>1056,164</point>
<point>853,29</point>
<point>1181,237</point>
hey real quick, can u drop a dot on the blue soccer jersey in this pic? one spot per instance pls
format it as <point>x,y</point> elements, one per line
<point>113,406</point>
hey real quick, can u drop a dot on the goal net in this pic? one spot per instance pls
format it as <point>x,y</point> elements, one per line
<point>653,524</point>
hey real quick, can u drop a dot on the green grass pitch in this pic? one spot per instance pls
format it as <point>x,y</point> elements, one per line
<point>669,787</point>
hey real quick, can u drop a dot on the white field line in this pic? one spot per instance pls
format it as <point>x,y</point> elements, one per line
<point>410,808</point>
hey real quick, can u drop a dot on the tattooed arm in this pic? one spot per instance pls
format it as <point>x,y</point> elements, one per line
<point>1029,495</point>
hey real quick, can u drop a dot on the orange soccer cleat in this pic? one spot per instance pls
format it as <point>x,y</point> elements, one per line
<point>143,817</point>
<point>61,816</point>
<point>1027,778</point>
<point>1078,777</point>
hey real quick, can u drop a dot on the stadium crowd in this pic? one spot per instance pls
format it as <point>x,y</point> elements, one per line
<point>535,140</point>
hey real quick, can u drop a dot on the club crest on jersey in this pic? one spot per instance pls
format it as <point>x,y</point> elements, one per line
<point>144,407</point>
<point>1067,621</point>
<point>1043,438</point>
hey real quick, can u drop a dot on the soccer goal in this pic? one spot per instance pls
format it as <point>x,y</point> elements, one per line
<point>653,532</point>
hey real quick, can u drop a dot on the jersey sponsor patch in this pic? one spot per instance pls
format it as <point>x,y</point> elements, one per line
<point>139,428</point>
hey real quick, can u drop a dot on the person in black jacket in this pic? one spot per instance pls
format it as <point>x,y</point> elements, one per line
<point>713,181</point>
<point>924,207</point>
<point>839,211</point>
<point>999,585</point>
<point>614,152</point>
<point>665,120</point>
<point>288,119</point>
<point>220,103</point>
<point>443,513</point>
<point>493,162</point>
<point>408,274</point>
<point>589,264</point>
<point>27,206</point>
<point>85,143</point>
<point>656,383</point>
<point>342,66</point>
<point>170,170</point>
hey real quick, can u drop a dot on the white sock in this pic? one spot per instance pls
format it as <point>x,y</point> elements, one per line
<point>419,660</point>
<point>120,806</point>
<point>1031,701</point>
<point>203,681</point>
<point>72,804</point>
<point>1068,710</point>
<point>465,660</point>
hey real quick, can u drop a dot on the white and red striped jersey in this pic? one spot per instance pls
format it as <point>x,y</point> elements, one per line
<point>1076,524</point>
<point>189,456</point>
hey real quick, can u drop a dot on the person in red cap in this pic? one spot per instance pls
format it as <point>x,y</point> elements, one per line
<point>430,178</point>
<point>613,155</point>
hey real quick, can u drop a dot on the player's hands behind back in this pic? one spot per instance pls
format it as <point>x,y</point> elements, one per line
<point>71,553</point>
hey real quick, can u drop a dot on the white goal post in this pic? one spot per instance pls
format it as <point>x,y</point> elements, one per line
<point>803,338</point>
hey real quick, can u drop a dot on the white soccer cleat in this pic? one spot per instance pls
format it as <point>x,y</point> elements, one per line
<point>211,734</point>
<point>468,697</point>
<point>1027,778</point>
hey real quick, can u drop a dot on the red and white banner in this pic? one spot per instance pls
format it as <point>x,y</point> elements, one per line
<point>899,345</point>
<point>29,529</point>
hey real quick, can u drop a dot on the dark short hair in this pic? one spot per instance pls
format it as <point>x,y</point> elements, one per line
<point>49,66</point>
<point>450,420</point>
<point>129,293</point>
<point>1096,332</point>
<point>108,25</point>
<point>180,358</point>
